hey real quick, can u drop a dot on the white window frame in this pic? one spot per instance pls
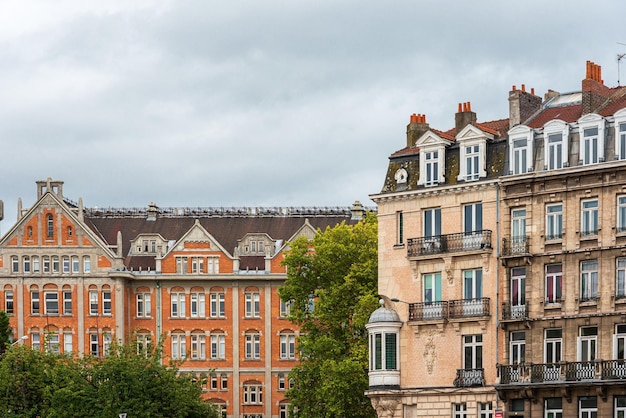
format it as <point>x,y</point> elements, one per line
<point>431,174</point>
<point>517,347</point>
<point>556,279</point>
<point>432,222</point>
<point>9,302</point>
<point>287,346</point>
<point>620,406</point>
<point>217,304</point>
<point>68,346</point>
<point>51,297</point>
<point>35,340</point>
<point>459,410</point>
<point>554,221</point>
<point>285,308</point>
<point>520,154</point>
<point>430,143</point>
<point>93,302</point>
<point>553,345</point>
<point>620,134</point>
<point>619,342</point>
<point>589,217</point>
<point>218,346</point>
<point>178,304</point>
<point>253,346</point>
<point>143,305</point>
<point>587,344</point>
<point>198,304</point>
<point>550,130</point>
<point>94,344</point>
<point>252,394</point>
<point>253,304</point>
<point>179,345</point>
<point>552,411</point>
<point>107,308</point>
<point>621,214</point>
<point>587,412</point>
<point>399,228</point>
<point>485,410</point>
<point>471,156</point>
<point>198,346</point>
<point>585,123</point>
<point>86,264</point>
<point>473,351</point>
<point>620,277</point>
<point>589,280</point>
<point>35,305</point>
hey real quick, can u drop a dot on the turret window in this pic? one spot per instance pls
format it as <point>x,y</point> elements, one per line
<point>383,351</point>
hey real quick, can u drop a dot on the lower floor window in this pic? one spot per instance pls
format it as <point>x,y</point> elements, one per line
<point>485,410</point>
<point>252,394</point>
<point>554,408</point>
<point>587,407</point>
<point>620,407</point>
<point>460,410</point>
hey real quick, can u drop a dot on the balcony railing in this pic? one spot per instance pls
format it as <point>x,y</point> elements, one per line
<point>517,311</point>
<point>469,377</point>
<point>516,245</point>
<point>462,308</point>
<point>449,243</point>
<point>563,372</point>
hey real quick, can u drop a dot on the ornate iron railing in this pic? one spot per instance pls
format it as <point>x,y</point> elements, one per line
<point>462,308</point>
<point>516,245</point>
<point>469,377</point>
<point>562,372</point>
<point>510,311</point>
<point>449,243</point>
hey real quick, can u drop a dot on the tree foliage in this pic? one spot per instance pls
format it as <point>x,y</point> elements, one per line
<point>6,333</point>
<point>332,285</point>
<point>34,383</point>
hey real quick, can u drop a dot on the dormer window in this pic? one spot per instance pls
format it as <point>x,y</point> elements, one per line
<point>591,139</point>
<point>521,150</point>
<point>620,134</point>
<point>432,154</point>
<point>472,147</point>
<point>555,135</point>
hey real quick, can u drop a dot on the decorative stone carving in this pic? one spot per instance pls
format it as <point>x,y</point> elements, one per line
<point>430,352</point>
<point>385,406</point>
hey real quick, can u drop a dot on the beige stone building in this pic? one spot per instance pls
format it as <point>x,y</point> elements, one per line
<point>502,262</point>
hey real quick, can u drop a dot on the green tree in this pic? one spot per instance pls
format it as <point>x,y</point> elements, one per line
<point>332,284</point>
<point>6,333</point>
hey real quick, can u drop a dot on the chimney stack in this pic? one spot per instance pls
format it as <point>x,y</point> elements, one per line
<point>522,105</point>
<point>464,116</point>
<point>595,93</point>
<point>416,128</point>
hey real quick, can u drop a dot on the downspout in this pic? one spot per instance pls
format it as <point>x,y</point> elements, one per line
<point>158,312</point>
<point>497,277</point>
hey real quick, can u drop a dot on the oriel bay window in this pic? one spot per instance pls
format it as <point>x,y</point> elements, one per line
<point>383,350</point>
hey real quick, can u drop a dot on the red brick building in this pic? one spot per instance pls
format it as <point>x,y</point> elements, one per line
<point>204,280</point>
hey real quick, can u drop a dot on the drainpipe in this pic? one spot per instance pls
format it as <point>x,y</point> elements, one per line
<point>497,275</point>
<point>158,311</point>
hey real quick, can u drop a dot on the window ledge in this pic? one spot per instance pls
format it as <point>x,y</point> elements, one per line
<point>397,246</point>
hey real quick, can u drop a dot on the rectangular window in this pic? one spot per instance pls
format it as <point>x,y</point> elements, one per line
<point>620,407</point>
<point>86,264</point>
<point>589,218</point>
<point>518,224</point>
<point>588,280</point>
<point>224,379</point>
<point>619,345</point>
<point>15,264</point>
<point>198,346</point>
<point>181,265</point>
<point>67,342</point>
<point>143,305</point>
<point>432,168</point>
<point>620,276</point>
<point>213,265</point>
<point>55,263</point>
<point>144,343</point>
<point>66,264</point>
<point>472,352</point>
<point>179,346</point>
<point>35,341</point>
<point>67,302</point>
<point>553,408</point>
<point>588,344</point>
<point>281,381</point>
<point>517,347</point>
<point>621,214</point>
<point>472,284</point>
<point>94,344</point>
<point>554,221</point>
<point>178,305</point>
<point>518,289</point>
<point>93,302</point>
<point>197,265</point>
<point>197,305</point>
<point>8,302</point>
<point>555,151</point>
<point>554,279</point>
<point>285,308</point>
<point>252,394</point>
<point>253,305</point>
<point>34,302</point>
<point>52,343</point>
<point>287,347</point>
<point>472,155</point>
<point>26,264</point>
<point>253,346</point>
<point>218,346</point>
<point>432,222</point>
<point>485,410</point>
<point>432,287</point>
<point>399,228</point>
<point>75,264</point>
<point>589,148</point>
<point>520,156</point>
<point>35,264</point>
<point>553,343</point>
<point>52,303</point>
<point>107,340</point>
<point>459,410</point>
<point>217,305</point>
<point>46,264</point>
<point>472,218</point>
<point>587,407</point>
<point>106,302</point>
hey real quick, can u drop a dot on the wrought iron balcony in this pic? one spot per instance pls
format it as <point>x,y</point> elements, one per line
<point>512,312</point>
<point>469,377</point>
<point>462,308</point>
<point>516,245</point>
<point>449,243</point>
<point>562,372</point>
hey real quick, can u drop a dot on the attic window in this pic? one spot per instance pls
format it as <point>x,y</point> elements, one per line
<point>69,232</point>
<point>432,168</point>
<point>50,219</point>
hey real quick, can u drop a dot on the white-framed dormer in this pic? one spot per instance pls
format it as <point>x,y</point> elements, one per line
<point>432,159</point>
<point>521,141</point>
<point>472,153</point>
<point>591,134</point>
<point>555,144</point>
<point>620,134</point>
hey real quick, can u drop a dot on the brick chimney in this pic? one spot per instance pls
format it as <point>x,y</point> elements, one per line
<point>595,93</point>
<point>464,116</point>
<point>522,105</point>
<point>417,127</point>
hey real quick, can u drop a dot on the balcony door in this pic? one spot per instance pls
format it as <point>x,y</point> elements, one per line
<point>518,292</point>
<point>432,296</point>
<point>518,231</point>
<point>553,343</point>
<point>472,226</point>
<point>432,230</point>
<point>472,292</point>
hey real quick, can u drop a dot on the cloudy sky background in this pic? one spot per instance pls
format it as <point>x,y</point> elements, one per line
<point>264,103</point>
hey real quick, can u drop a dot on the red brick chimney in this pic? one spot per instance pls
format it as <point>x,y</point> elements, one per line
<point>464,116</point>
<point>417,127</point>
<point>595,93</point>
<point>522,105</point>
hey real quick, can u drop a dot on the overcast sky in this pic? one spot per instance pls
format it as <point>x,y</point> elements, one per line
<point>264,103</point>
